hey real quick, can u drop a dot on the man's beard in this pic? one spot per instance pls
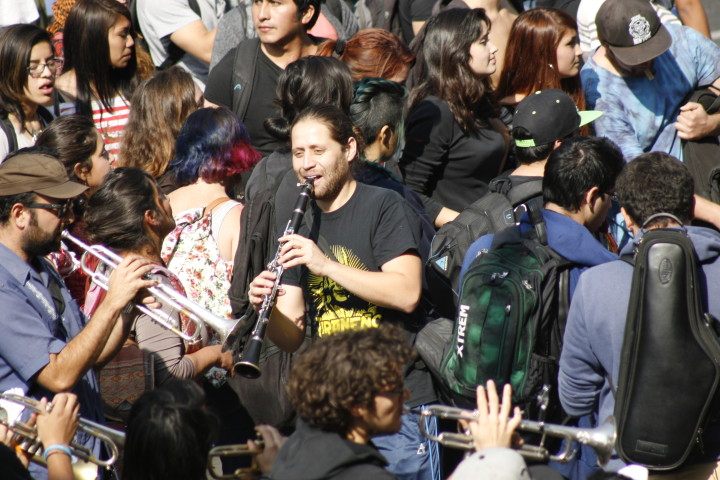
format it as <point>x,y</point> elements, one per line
<point>38,243</point>
<point>334,180</point>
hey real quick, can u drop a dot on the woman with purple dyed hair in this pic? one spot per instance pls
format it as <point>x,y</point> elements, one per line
<point>212,150</point>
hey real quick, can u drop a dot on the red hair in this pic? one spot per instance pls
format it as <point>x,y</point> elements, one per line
<point>372,52</point>
<point>532,48</point>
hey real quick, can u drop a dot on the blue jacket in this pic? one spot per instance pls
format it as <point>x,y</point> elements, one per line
<point>596,326</point>
<point>566,236</point>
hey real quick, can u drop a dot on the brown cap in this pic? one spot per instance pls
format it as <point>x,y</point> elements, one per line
<point>39,173</point>
<point>632,30</point>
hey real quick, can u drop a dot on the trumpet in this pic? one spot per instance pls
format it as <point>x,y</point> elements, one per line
<point>248,366</point>
<point>229,331</point>
<point>113,439</point>
<point>601,439</point>
<point>235,451</point>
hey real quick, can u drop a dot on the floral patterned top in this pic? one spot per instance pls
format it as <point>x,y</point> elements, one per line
<point>192,253</point>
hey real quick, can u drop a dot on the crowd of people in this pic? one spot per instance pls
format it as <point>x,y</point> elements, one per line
<point>176,134</point>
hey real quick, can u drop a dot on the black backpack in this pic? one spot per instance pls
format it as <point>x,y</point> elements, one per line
<point>493,212</point>
<point>510,323</point>
<point>670,362</point>
<point>265,398</point>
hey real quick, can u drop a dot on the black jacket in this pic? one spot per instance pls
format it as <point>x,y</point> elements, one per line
<point>314,454</point>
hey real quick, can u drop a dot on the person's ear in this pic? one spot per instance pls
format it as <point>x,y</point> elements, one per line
<point>358,411</point>
<point>81,172</point>
<point>351,149</point>
<point>385,135</point>
<point>18,215</point>
<point>591,197</point>
<point>307,14</point>
<point>629,222</point>
<point>151,218</point>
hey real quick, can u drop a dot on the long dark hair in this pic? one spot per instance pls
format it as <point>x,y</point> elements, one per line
<point>309,81</point>
<point>115,213</point>
<point>443,57</point>
<point>169,434</point>
<point>531,48</point>
<point>16,44</point>
<point>88,54</point>
<point>74,138</point>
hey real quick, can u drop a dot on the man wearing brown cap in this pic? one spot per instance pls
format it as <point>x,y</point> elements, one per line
<point>47,345</point>
<point>641,75</point>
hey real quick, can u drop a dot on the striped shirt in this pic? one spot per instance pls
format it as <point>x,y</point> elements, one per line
<point>110,124</point>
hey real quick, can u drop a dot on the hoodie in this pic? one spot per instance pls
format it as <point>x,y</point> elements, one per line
<point>314,454</point>
<point>596,329</point>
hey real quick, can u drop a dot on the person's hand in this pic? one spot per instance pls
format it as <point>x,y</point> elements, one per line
<point>273,440</point>
<point>7,437</point>
<point>493,428</point>
<point>260,286</point>
<point>58,426</point>
<point>694,123</point>
<point>128,280</point>
<point>298,250</point>
<point>225,359</point>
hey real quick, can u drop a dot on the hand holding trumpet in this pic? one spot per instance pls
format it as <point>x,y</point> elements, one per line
<point>56,424</point>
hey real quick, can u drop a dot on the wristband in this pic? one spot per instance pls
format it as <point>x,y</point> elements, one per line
<point>56,448</point>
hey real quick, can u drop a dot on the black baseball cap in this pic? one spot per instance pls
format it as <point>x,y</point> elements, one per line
<point>549,115</point>
<point>631,29</point>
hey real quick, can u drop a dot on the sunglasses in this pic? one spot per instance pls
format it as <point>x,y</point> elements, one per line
<point>62,209</point>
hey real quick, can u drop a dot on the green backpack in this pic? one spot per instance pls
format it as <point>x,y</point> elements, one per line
<point>511,318</point>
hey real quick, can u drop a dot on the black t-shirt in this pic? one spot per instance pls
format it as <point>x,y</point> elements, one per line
<point>371,229</point>
<point>375,226</point>
<point>219,90</point>
<point>413,11</point>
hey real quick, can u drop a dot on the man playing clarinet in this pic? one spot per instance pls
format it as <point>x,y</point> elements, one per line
<point>354,261</point>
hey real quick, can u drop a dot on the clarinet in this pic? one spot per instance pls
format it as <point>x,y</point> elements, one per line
<point>248,366</point>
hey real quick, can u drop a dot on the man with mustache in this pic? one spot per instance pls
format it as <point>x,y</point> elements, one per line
<point>48,345</point>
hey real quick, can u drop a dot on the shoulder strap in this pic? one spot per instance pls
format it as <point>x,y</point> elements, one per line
<point>243,71</point>
<point>524,191</point>
<point>7,127</point>
<point>193,4</point>
<point>175,53</point>
<point>210,206</point>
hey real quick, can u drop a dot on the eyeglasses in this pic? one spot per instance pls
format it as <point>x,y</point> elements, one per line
<point>35,69</point>
<point>62,208</point>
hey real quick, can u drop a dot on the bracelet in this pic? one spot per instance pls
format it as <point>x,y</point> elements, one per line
<point>56,448</point>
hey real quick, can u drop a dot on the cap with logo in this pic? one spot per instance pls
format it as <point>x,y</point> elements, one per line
<point>631,29</point>
<point>38,173</point>
<point>549,115</point>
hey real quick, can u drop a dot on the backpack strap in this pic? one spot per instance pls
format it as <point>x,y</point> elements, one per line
<point>175,53</point>
<point>243,73</point>
<point>521,193</point>
<point>210,206</point>
<point>9,130</point>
